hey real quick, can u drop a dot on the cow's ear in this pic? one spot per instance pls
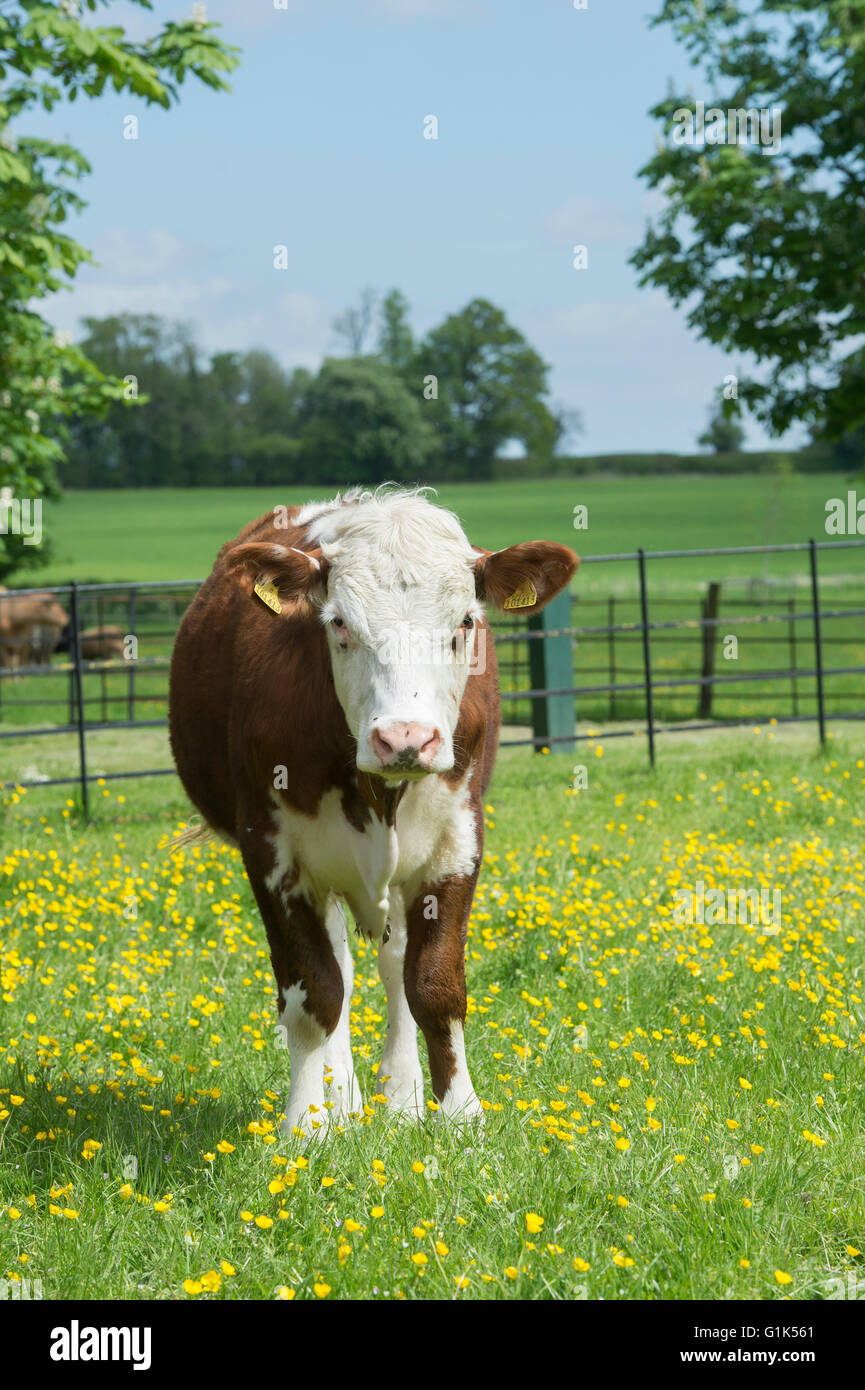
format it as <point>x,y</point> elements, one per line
<point>524,576</point>
<point>280,571</point>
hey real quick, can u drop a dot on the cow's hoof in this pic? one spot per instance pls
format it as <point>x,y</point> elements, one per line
<point>307,1127</point>
<point>346,1096</point>
<point>404,1095</point>
<point>470,1112</point>
<point>407,1109</point>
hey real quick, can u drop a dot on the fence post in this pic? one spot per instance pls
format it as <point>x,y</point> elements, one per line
<point>132,621</point>
<point>551,667</point>
<point>710,634</point>
<point>103,679</point>
<point>75,653</point>
<point>791,637</point>
<point>818,642</point>
<point>611,643</point>
<point>647,656</point>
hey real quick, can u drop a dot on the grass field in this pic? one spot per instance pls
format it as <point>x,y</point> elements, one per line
<point>166,535</point>
<point>152,534</point>
<point>672,1111</point>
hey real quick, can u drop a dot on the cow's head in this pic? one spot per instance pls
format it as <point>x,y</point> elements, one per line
<point>400,593</point>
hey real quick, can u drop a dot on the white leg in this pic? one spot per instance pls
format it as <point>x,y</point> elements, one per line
<point>399,1075</point>
<point>460,1102</point>
<point>306,1046</point>
<point>341,1084</point>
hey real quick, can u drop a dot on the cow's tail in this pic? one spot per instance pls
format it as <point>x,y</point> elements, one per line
<point>195,833</point>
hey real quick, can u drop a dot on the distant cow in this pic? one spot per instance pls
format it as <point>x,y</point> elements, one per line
<point>323,717</point>
<point>97,643</point>
<point>30,628</point>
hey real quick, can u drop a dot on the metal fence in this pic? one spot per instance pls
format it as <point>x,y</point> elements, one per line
<point>541,654</point>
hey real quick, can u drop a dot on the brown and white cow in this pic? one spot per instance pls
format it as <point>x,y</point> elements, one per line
<point>329,715</point>
<point>30,627</point>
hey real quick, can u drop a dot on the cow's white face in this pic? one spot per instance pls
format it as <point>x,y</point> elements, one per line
<point>395,584</point>
<point>401,618</point>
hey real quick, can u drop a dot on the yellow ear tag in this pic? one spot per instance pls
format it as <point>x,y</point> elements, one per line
<point>268,594</point>
<point>523,597</point>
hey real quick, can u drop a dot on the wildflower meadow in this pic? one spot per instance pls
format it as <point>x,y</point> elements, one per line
<point>673,1107</point>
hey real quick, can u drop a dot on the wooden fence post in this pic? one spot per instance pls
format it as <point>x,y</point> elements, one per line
<point>710,635</point>
<point>75,652</point>
<point>551,667</point>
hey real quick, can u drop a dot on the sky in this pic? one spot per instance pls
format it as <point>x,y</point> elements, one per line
<point>542,126</point>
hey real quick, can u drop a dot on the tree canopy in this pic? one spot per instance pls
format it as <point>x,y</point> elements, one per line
<point>49,53</point>
<point>763,232</point>
<point>723,434</point>
<point>490,388</point>
<point>438,410</point>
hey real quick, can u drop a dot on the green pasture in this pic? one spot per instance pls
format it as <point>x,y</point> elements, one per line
<point>673,1111</point>
<point>163,535</point>
<point>175,534</point>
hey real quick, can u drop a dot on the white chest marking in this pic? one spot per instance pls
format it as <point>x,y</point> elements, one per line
<point>434,836</point>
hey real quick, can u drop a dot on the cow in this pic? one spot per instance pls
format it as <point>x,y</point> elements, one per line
<point>95,642</point>
<point>330,715</point>
<point>30,627</point>
<point>102,642</point>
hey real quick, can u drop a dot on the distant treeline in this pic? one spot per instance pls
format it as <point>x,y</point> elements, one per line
<point>390,408</point>
<point>816,458</point>
<point>439,409</point>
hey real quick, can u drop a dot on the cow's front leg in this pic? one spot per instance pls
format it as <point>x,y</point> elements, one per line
<point>399,1074</point>
<point>310,990</point>
<point>340,1083</point>
<point>435,986</point>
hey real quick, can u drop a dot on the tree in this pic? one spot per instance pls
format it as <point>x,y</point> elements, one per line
<point>232,420</point>
<point>568,425</point>
<point>150,446</point>
<point>48,53</point>
<point>359,424</point>
<point>764,239</point>
<point>395,342</point>
<point>723,433</point>
<point>490,385</point>
<point>355,323</point>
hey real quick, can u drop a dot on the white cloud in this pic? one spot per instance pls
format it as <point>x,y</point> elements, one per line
<point>594,221</point>
<point>589,220</point>
<point>138,257</point>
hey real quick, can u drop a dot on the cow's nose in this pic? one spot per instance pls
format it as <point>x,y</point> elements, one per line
<point>406,745</point>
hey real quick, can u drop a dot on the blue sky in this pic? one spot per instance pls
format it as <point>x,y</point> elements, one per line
<point>542,127</point>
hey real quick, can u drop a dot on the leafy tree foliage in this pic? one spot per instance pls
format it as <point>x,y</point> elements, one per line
<point>768,249</point>
<point>48,54</point>
<point>359,422</point>
<point>395,341</point>
<point>723,434</point>
<point>243,418</point>
<point>491,388</point>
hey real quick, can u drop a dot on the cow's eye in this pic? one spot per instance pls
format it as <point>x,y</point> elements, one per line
<point>468,621</point>
<point>338,622</point>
